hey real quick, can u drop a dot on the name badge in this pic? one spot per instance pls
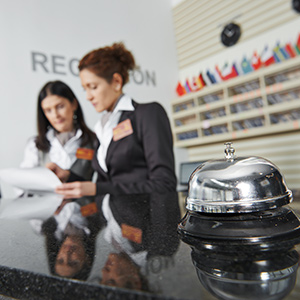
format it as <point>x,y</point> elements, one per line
<point>84,153</point>
<point>131,233</point>
<point>122,129</point>
<point>89,209</point>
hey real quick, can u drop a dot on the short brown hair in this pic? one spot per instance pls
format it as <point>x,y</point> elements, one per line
<point>106,61</point>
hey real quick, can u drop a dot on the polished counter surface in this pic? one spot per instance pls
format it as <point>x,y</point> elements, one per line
<point>78,255</point>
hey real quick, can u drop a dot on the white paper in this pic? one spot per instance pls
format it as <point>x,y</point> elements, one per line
<point>39,179</point>
<point>30,207</point>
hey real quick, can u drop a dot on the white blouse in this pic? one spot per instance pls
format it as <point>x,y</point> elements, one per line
<point>105,133</point>
<point>63,156</point>
<point>113,232</point>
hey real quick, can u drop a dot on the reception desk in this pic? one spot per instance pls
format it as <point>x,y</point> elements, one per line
<point>76,254</point>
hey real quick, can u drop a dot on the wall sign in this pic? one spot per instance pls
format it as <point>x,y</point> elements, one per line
<point>61,65</point>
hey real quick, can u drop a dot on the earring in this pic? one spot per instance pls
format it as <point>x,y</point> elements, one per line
<point>74,119</point>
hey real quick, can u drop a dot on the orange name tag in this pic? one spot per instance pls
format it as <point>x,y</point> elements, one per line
<point>89,209</point>
<point>131,233</point>
<point>84,153</point>
<point>122,129</point>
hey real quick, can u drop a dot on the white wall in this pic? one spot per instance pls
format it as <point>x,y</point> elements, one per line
<point>283,34</point>
<point>66,30</point>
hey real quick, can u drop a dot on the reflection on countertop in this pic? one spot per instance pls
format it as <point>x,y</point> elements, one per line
<point>94,249</point>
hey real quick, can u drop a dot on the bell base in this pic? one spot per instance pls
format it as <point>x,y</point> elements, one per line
<point>269,230</point>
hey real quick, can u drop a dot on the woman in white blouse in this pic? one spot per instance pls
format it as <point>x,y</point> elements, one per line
<point>63,137</point>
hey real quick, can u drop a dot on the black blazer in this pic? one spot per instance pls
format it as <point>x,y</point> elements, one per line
<point>141,179</point>
<point>142,162</point>
<point>155,215</point>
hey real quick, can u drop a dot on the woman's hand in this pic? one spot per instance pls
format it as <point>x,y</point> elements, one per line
<point>62,174</point>
<point>76,189</point>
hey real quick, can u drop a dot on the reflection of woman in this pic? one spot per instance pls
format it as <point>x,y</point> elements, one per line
<point>135,155</point>
<point>62,132</point>
<point>70,241</point>
<point>71,257</point>
<point>121,271</point>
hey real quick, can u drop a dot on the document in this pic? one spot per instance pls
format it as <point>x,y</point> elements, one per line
<point>39,181</point>
<point>27,208</point>
<point>35,180</point>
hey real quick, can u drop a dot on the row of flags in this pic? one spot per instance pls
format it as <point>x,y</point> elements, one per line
<point>268,56</point>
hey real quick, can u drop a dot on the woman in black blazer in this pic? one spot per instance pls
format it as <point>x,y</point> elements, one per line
<point>135,154</point>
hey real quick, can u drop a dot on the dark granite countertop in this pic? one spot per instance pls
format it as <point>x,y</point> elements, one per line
<point>76,254</point>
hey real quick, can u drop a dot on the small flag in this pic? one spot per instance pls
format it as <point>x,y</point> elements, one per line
<point>180,90</point>
<point>298,44</point>
<point>187,86</point>
<point>267,57</point>
<point>195,86</point>
<point>238,68</point>
<point>206,79</point>
<point>219,73</point>
<point>234,72</point>
<point>256,62</point>
<point>276,57</point>
<point>211,77</point>
<point>228,72</point>
<point>202,81</point>
<point>284,53</point>
<point>198,83</point>
<point>234,66</point>
<point>290,49</point>
<point>246,66</point>
<point>217,76</point>
<point>277,53</point>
